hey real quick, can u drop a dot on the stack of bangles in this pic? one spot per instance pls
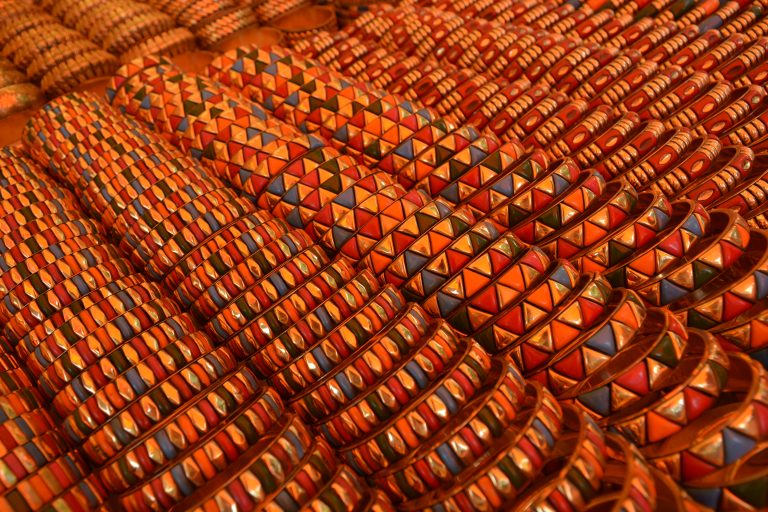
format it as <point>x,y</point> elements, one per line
<point>125,28</point>
<point>16,92</point>
<point>51,54</point>
<point>457,256</point>
<point>211,21</point>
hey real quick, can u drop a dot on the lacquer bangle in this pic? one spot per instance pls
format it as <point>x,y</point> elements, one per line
<point>694,387</point>
<point>746,385</point>
<point>516,459</point>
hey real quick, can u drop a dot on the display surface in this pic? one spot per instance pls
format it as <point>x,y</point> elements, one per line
<point>445,256</point>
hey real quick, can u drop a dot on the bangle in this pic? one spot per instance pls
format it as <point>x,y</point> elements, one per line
<point>531,120</point>
<point>134,380</point>
<point>447,263</point>
<point>618,316</point>
<point>347,225</point>
<point>365,188</point>
<point>635,372</point>
<point>743,485</point>
<point>642,141</point>
<point>75,321</point>
<point>535,59</point>
<point>671,147</point>
<point>55,373</point>
<point>301,206</point>
<point>482,270</point>
<point>507,326</point>
<point>608,76</point>
<point>516,107</point>
<point>721,53</point>
<point>707,259</point>
<point>488,111</point>
<point>395,72</point>
<point>165,198</point>
<point>732,166</point>
<point>500,176</point>
<point>458,164</point>
<point>28,328</point>
<point>273,469</point>
<point>555,63</point>
<point>402,86</point>
<point>589,302</point>
<point>441,459</point>
<point>595,122</point>
<point>667,48</point>
<point>563,176</point>
<point>486,36</point>
<point>612,138</point>
<point>343,337</point>
<point>556,125</point>
<point>245,266</point>
<point>603,26</point>
<point>259,310</point>
<point>368,362</point>
<point>151,407</point>
<point>219,400</point>
<point>21,207</point>
<point>211,455</point>
<point>396,436</point>
<point>344,491</point>
<point>639,28</point>
<point>115,191</point>
<point>45,265</point>
<point>748,195</point>
<point>693,50</point>
<point>50,482</point>
<point>695,162</point>
<point>195,234</point>
<point>18,429</point>
<point>439,228</point>
<point>643,86</point>
<point>39,249</point>
<point>600,219</point>
<point>232,248</point>
<point>692,388</point>
<point>49,231</point>
<point>563,210</point>
<point>146,237</point>
<point>410,152</point>
<point>689,224</point>
<point>578,476</point>
<point>506,50</point>
<point>27,197</point>
<point>452,100</point>
<point>678,97</point>
<point>316,325</point>
<point>439,96</point>
<point>13,380</point>
<point>746,65</point>
<point>696,112</point>
<point>210,222</point>
<point>26,299</point>
<point>569,65</point>
<point>510,466</point>
<point>751,129</point>
<point>309,172</point>
<point>438,355</point>
<point>687,455</point>
<point>743,105</point>
<point>730,295</point>
<point>650,217</point>
<point>628,481</point>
